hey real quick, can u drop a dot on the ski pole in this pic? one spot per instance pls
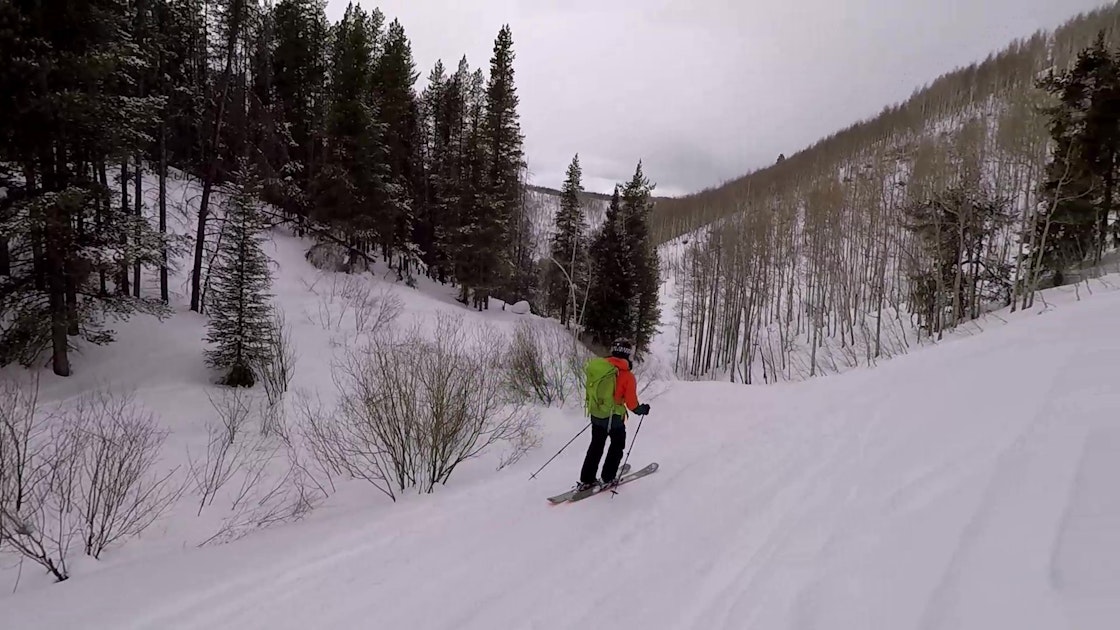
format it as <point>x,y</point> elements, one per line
<point>534,475</point>
<point>636,431</point>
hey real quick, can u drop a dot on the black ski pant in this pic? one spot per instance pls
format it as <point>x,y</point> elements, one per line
<point>599,435</point>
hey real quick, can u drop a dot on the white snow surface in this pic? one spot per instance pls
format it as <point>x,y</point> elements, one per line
<point>972,484</point>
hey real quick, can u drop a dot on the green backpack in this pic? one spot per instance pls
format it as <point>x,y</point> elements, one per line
<point>601,377</point>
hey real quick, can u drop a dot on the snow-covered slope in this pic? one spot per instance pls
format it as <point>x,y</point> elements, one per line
<point>970,485</point>
<point>543,204</point>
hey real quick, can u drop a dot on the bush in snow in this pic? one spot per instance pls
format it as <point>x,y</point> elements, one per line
<point>277,367</point>
<point>84,473</point>
<point>351,299</point>
<point>20,433</point>
<point>118,448</point>
<point>240,316</point>
<point>243,467</point>
<point>227,453</point>
<point>412,408</point>
<point>37,481</point>
<point>544,362</point>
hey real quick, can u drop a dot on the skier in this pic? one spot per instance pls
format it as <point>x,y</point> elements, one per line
<point>611,390</point>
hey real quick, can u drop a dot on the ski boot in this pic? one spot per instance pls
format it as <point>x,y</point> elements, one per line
<point>581,486</point>
<point>610,485</point>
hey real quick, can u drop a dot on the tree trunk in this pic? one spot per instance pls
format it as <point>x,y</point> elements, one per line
<point>56,291</point>
<point>139,211</point>
<point>1104,212</point>
<point>123,279</point>
<point>102,208</point>
<point>162,151</point>
<point>163,292</point>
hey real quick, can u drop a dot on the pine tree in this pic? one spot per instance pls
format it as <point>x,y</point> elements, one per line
<point>299,69</point>
<point>1079,190</point>
<point>430,231</point>
<point>65,236</point>
<point>642,255</point>
<point>567,269</point>
<point>623,299</point>
<point>608,313</point>
<point>183,57</point>
<point>239,310</point>
<point>504,260</point>
<point>234,18</point>
<point>394,78</point>
<point>351,190</point>
<point>463,185</point>
<point>267,139</point>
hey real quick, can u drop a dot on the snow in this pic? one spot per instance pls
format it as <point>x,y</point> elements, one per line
<point>970,484</point>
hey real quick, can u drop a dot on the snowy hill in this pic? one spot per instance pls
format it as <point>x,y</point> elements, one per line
<point>543,204</point>
<point>807,267</point>
<point>969,485</point>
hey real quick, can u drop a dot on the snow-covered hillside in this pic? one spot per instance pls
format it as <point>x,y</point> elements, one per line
<point>969,485</point>
<point>543,204</point>
<point>161,366</point>
<point>819,263</point>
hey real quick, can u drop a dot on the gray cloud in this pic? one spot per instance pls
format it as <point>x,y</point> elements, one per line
<point>705,90</point>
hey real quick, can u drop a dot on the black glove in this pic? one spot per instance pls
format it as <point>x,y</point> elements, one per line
<point>641,409</point>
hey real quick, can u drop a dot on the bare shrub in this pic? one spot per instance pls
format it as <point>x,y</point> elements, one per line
<point>88,474</point>
<point>37,480</point>
<point>263,500</point>
<point>463,401</point>
<point>373,313</point>
<point>524,438</point>
<point>654,377</point>
<point>317,433</point>
<point>20,431</point>
<point>45,527</point>
<point>120,447</point>
<point>575,356</point>
<point>244,468</point>
<point>277,371</point>
<point>411,409</point>
<point>344,298</point>
<point>230,448</point>
<point>545,362</point>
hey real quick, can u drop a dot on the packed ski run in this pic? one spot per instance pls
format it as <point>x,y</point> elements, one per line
<point>968,485</point>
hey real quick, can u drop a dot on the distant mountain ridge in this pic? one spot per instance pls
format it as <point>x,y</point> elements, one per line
<point>585,196</point>
<point>939,111</point>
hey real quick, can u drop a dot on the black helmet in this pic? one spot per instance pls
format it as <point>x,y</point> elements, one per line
<point>622,348</point>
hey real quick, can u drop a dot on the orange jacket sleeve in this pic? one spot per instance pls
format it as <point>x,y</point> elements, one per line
<point>626,390</point>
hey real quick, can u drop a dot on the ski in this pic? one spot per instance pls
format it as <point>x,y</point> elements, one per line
<point>648,470</point>
<point>564,496</point>
<point>573,495</point>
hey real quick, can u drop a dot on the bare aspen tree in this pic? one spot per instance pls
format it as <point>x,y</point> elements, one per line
<point>807,267</point>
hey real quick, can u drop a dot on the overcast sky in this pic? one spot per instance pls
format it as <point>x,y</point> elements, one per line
<point>704,91</point>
